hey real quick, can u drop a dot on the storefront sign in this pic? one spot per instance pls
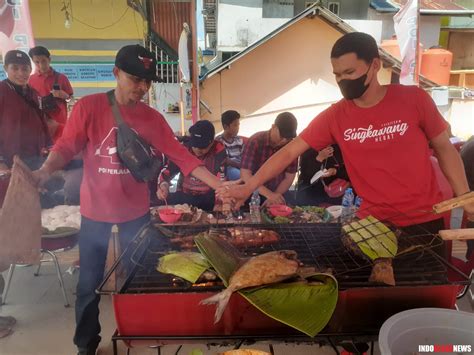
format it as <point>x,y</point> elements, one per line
<point>81,72</point>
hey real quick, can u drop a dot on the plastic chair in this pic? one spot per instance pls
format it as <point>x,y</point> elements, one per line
<point>49,245</point>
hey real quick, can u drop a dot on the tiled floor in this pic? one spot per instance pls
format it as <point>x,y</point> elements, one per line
<point>45,326</point>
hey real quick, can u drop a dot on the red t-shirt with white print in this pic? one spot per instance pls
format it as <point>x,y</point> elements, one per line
<point>386,153</point>
<point>109,193</point>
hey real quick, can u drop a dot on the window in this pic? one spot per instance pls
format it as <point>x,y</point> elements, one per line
<point>334,7</point>
<point>277,8</point>
<point>310,3</point>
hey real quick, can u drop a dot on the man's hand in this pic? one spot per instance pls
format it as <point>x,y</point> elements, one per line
<point>469,210</point>
<point>41,176</point>
<point>60,94</point>
<point>329,172</point>
<point>233,192</point>
<point>52,127</point>
<point>163,190</point>
<point>325,153</point>
<point>274,199</point>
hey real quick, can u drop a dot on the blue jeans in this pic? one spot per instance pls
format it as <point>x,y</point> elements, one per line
<point>93,245</point>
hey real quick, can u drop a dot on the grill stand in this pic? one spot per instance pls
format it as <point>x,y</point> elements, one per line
<point>349,341</point>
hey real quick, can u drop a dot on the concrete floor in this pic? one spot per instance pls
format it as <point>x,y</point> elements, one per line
<point>45,327</point>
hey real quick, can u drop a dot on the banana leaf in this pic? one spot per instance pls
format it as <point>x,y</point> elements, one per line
<point>304,305</point>
<point>222,255</point>
<point>186,265</point>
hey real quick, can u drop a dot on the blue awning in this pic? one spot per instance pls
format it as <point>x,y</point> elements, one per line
<point>382,6</point>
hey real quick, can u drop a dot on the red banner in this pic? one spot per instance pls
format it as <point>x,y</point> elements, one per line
<point>15,26</point>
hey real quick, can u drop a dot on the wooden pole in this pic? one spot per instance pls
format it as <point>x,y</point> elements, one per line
<point>194,65</point>
<point>457,234</point>
<point>416,78</point>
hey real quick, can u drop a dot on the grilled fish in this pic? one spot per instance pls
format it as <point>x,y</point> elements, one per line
<point>259,270</point>
<point>239,237</point>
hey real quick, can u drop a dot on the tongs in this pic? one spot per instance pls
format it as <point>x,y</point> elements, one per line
<point>445,206</point>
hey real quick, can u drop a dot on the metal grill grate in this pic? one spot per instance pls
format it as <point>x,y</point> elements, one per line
<point>317,245</point>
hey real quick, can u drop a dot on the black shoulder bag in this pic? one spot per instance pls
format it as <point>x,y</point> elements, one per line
<point>133,151</point>
<point>49,103</point>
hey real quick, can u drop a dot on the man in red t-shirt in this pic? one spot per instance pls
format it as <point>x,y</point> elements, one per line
<point>54,88</point>
<point>384,133</point>
<point>109,193</point>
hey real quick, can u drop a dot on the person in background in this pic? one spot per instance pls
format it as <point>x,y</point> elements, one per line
<point>311,161</point>
<point>234,144</point>
<point>54,88</point>
<point>55,92</point>
<point>384,133</point>
<point>190,189</point>
<point>110,195</point>
<point>24,130</point>
<point>260,147</point>
<point>467,155</point>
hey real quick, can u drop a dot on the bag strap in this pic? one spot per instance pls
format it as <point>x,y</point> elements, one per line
<point>42,115</point>
<point>115,110</point>
<point>56,77</point>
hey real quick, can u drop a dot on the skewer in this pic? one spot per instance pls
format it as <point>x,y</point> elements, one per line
<point>454,203</point>
<point>457,234</point>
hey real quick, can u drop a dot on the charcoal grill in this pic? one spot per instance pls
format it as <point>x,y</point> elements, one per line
<point>150,306</point>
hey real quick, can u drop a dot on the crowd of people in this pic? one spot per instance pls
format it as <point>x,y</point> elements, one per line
<point>377,137</point>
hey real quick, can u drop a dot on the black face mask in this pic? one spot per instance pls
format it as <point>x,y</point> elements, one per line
<point>353,88</point>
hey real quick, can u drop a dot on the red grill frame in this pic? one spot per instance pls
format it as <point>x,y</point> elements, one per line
<point>179,314</point>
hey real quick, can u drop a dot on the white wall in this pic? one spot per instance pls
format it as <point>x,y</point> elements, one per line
<point>429,27</point>
<point>239,26</point>
<point>165,94</point>
<point>429,30</point>
<point>372,27</point>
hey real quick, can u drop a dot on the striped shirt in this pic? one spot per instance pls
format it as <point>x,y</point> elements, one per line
<point>234,147</point>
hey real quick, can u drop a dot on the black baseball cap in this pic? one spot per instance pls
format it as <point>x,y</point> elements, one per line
<point>138,61</point>
<point>202,134</point>
<point>287,124</point>
<point>16,57</point>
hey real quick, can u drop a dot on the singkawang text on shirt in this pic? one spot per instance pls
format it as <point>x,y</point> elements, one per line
<point>387,132</point>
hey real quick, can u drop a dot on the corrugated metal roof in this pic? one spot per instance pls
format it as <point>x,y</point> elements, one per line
<point>167,18</point>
